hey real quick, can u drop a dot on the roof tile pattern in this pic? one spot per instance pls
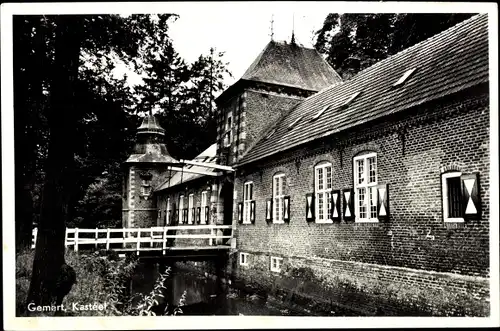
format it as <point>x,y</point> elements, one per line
<point>446,63</point>
<point>292,65</point>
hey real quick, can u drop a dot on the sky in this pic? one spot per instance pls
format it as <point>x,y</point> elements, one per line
<point>242,36</point>
<point>241,31</point>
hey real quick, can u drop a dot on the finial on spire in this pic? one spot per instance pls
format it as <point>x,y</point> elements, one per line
<point>293,29</point>
<point>272,27</point>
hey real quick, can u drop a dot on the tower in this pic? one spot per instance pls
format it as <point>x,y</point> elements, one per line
<point>146,167</point>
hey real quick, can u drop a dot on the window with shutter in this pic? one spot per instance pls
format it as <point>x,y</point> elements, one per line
<point>452,197</point>
<point>240,212</point>
<point>365,188</point>
<point>286,209</point>
<point>169,212</point>
<point>207,214</point>
<point>191,209</point>
<point>204,203</point>
<point>278,195</point>
<point>383,202</point>
<point>181,209</point>
<point>252,211</point>
<point>310,207</point>
<point>323,189</point>
<point>335,216</point>
<point>471,202</point>
<point>269,210</point>
<point>348,204</point>
<point>247,199</point>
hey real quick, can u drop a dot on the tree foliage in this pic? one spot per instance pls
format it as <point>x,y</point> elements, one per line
<point>75,122</point>
<point>353,42</point>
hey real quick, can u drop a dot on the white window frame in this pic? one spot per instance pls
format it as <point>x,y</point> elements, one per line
<point>244,259</point>
<point>279,262</point>
<point>204,203</point>
<point>324,192</point>
<point>370,188</point>
<point>167,217</point>
<point>247,202</point>
<point>190,208</point>
<point>278,198</point>
<point>146,187</point>
<point>181,208</point>
<point>444,196</point>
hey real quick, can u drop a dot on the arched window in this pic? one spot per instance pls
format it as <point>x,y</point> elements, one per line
<point>365,187</point>
<point>322,189</point>
<point>278,196</point>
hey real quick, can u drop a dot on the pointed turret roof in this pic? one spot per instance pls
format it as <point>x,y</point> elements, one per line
<point>292,65</point>
<point>149,147</point>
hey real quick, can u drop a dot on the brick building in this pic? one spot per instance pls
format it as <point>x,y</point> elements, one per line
<point>371,193</point>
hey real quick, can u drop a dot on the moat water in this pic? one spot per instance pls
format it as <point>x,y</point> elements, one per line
<point>204,295</point>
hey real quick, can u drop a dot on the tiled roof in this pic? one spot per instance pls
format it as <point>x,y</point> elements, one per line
<point>207,156</point>
<point>446,63</point>
<point>292,65</point>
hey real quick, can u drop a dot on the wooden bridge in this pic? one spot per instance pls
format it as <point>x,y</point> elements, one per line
<point>154,241</point>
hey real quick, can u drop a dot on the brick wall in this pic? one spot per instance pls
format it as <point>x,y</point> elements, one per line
<point>195,187</point>
<point>140,210</point>
<point>452,134</point>
<point>253,111</point>
<point>262,111</point>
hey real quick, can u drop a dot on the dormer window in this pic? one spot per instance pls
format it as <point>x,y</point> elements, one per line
<point>405,76</point>
<point>270,134</point>
<point>350,100</point>
<point>320,112</point>
<point>294,123</point>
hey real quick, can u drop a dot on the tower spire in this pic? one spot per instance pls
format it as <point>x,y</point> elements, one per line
<point>272,27</point>
<point>293,29</point>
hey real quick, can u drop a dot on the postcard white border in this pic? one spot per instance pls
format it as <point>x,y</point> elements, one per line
<point>222,322</point>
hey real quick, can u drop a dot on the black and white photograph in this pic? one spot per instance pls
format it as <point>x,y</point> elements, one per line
<point>177,165</point>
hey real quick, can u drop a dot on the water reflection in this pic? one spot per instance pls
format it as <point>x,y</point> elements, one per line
<point>204,296</point>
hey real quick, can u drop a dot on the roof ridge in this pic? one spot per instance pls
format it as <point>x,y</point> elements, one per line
<point>328,64</point>
<point>443,46</point>
<point>439,34</point>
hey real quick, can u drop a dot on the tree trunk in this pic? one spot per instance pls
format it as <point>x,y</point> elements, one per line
<point>28,83</point>
<point>49,263</point>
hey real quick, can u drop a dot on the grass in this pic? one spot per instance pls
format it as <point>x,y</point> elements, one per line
<point>100,279</point>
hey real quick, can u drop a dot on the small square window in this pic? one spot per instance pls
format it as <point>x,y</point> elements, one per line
<point>276,263</point>
<point>244,259</point>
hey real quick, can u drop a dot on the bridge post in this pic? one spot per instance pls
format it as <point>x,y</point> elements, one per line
<point>76,239</point>
<point>151,238</point>
<point>107,239</point>
<point>66,239</point>
<point>138,244</point>
<point>164,240</point>
<point>123,233</point>
<point>96,236</point>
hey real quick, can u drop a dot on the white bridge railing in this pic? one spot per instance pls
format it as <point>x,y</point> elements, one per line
<point>144,239</point>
